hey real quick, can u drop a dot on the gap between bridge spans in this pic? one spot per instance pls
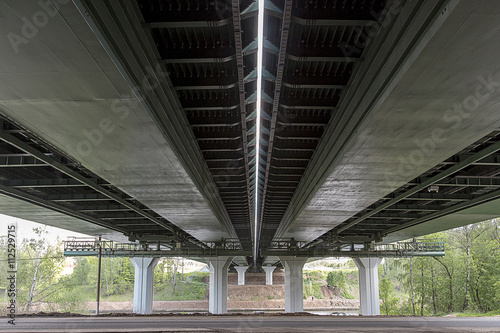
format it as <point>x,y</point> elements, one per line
<point>260,54</point>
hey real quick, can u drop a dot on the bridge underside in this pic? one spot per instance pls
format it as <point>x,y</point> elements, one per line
<point>137,120</point>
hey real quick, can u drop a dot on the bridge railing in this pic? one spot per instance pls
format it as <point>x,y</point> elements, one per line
<point>234,247</point>
<point>86,244</point>
<point>92,246</point>
<point>425,245</point>
<point>432,247</point>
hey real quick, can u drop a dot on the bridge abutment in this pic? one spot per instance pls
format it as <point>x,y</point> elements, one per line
<point>368,285</point>
<point>143,284</point>
<point>294,293</point>
<point>218,284</point>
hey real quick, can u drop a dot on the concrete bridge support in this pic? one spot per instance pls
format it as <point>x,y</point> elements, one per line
<point>368,285</point>
<point>293,283</point>
<point>269,274</point>
<point>217,299</point>
<point>241,274</point>
<point>143,284</point>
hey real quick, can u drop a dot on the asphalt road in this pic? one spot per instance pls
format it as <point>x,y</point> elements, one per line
<point>252,323</point>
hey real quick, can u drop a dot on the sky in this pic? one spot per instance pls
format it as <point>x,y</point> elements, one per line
<point>25,229</point>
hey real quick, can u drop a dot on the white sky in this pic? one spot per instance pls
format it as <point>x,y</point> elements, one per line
<point>25,229</point>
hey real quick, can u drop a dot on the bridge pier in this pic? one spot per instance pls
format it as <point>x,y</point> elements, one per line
<point>217,300</point>
<point>143,284</point>
<point>241,274</point>
<point>269,274</point>
<point>294,293</point>
<point>368,285</point>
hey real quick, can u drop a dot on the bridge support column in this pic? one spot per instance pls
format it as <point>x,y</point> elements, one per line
<point>241,274</point>
<point>368,285</point>
<point>217,299</point>
<point>294,292</point>
<point>269,274</point>
<point>143,284</point>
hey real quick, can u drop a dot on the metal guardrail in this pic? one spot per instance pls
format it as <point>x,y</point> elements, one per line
<point>234,247</point>
<point>91,247</point>
<point>423,245</point>
<point>434,247</point>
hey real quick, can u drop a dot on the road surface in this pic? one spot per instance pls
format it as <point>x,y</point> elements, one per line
<point>251,323</point>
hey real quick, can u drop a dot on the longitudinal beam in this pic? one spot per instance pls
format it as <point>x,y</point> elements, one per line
<point>241,92</point>
<point>20,161</point>
<point>20,183</point>
<point>466,204</point>
<point>430,181</point>
<point>188,24</point>
<point>73,174</point>
<point>18,194</point>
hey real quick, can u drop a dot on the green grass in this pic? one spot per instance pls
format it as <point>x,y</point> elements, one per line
<point>126,296</point>
<point>347,294</point>
<point>188,288</point>
<point>313,283</point>
<point>479,314</point>
<point>184,291</point>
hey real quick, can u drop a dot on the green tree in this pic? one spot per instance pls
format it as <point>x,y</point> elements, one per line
<point>389,300</point>
<point>336,279</point>
<point>38,268</point>
<point>485,268</point>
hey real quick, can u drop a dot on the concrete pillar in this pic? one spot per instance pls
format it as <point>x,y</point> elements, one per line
<point>143,284</point>
<point>217,300</point>
<point>269,274</point>
<point>294,292</point>
<point>368,285</point>
<point>241,274</point>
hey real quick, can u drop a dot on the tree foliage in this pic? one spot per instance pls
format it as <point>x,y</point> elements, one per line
<point>336,279</point>
<point>389,300</point>
<point>38,265</point>
<point>465,279</point>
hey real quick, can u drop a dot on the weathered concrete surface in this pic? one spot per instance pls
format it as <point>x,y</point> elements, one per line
<point>25,210</point>
<point>418,124</point>
<point>63,86</point>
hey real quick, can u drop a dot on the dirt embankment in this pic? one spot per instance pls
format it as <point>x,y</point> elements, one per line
<point>186,306</point>
<point>255,295</point>
<point>253,278</point>
<point>249,297</point>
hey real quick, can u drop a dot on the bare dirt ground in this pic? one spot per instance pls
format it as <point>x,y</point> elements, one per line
<point>251,297</point>
<point>244,305</point>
